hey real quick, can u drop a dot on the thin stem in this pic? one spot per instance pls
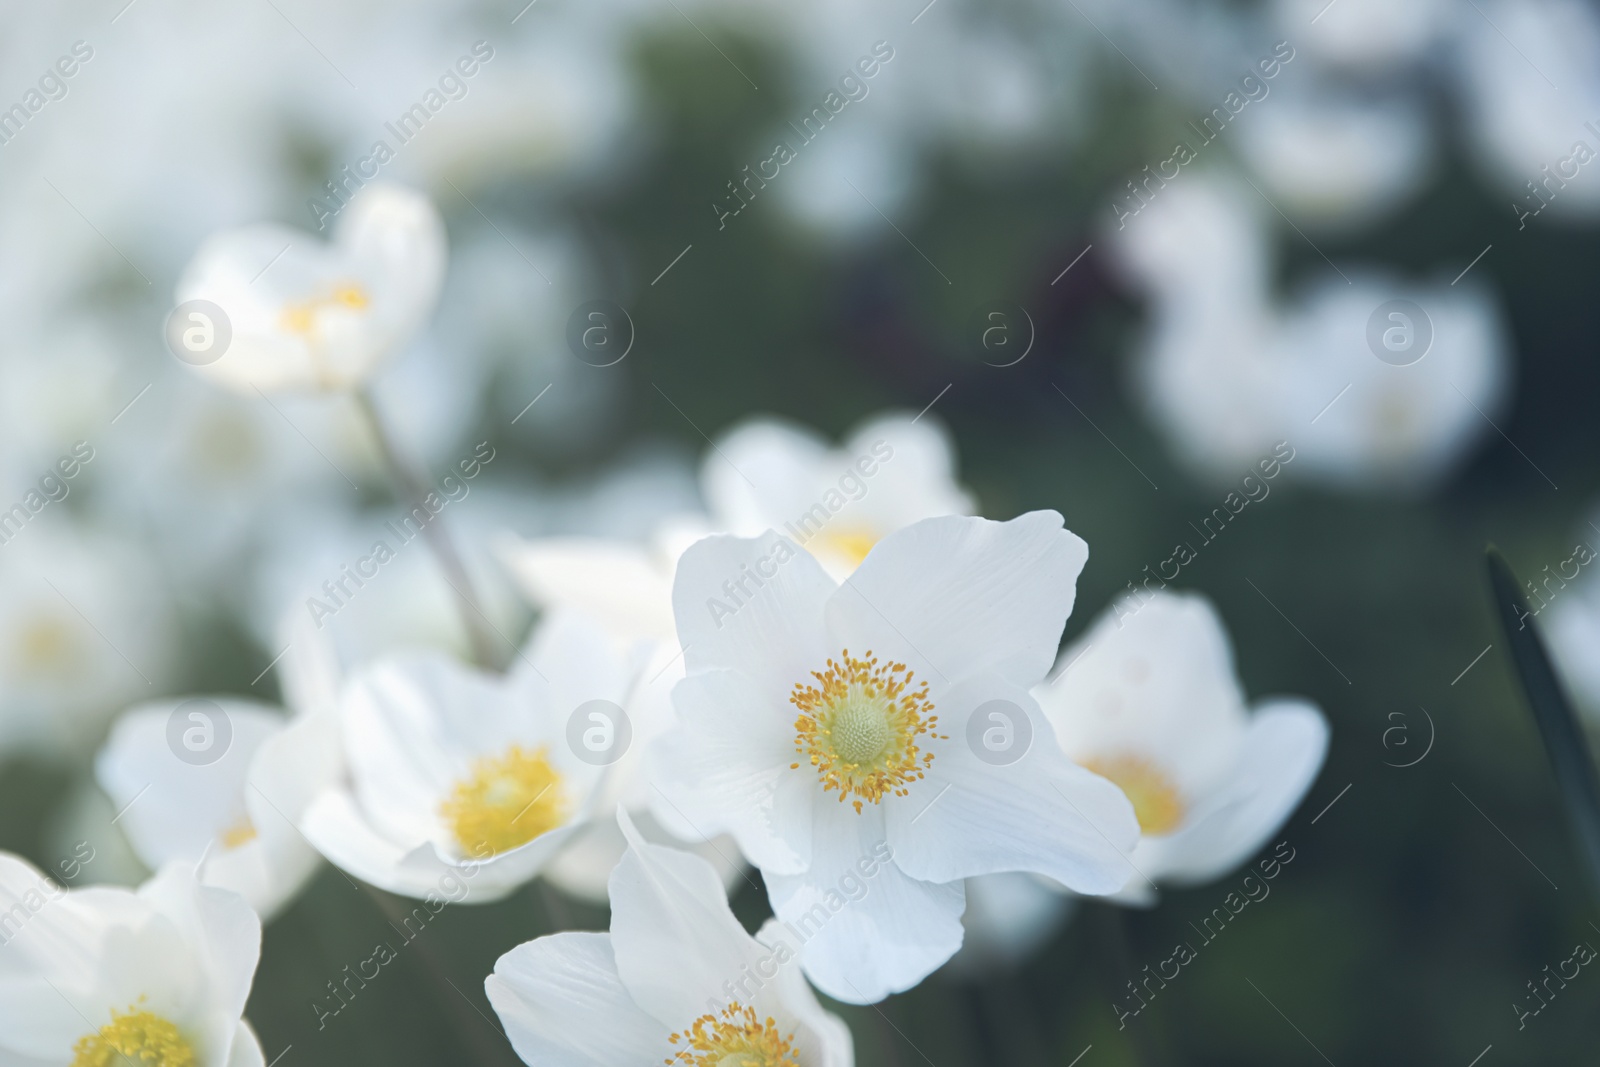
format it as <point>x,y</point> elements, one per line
<point>413,487</point>
<point>1118,974</point>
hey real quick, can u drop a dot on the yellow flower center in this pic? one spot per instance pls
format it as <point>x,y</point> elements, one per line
<point>139,1038</point>
<point>241,832</point>
<point>1156,800</point>
<point>300,316</point>
<point>506,801</point>
<point>46,646</point>
<point>859,729</point>
<point>736,1038</point>
<point>853,543</point>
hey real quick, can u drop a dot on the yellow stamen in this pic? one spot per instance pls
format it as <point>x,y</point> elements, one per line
<point>239,833</point>
<point>141,1038</point>
<point>860,729</point>
<point>507,801</point>
<point>301,316</point>
<point>1156,800</point>
<point>738,1038</point>
<point>853,543</point>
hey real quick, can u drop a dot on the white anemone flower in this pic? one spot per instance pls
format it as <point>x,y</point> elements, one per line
<point>1148,699</point>
<point>677,980</point>
<point>100,976</point>
<point>232,814</point>
<point>452,773</point>
<point>826,728</point>
<point>306,315</point>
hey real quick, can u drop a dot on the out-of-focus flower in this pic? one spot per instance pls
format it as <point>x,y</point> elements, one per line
<point>676,980</point>
<point>1009,918</point>
<point>311,316</point>
<point>100,976</point>
<point>1148,699</point>
<point>763,475</point>
<point>84,630</point>
<point>826,728</point>
<point>455,777</point>
<point>1572,625</point>
<point>232,815</point>
<point>1365,34</point>
<point>1370,400</point>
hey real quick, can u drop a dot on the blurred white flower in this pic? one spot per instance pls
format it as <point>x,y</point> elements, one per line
<point>1366,34</point>
<point>826,728</point>
<point>676,980</point>
<point>1148,699</point>
<point>1009,918</point>
<point>85,629</point>
<point>232,814</point>
<point>305,315</point>
<point>456,774</point>
<point>95,976</point>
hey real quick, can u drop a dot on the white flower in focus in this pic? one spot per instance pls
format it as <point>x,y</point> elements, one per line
<point>825,728</point>
<point>232,815</point>
<point>1148,699</point>
<point>100,976</point>
<point>312,316</point>
<point>676,981</point>
<point>451,771</point>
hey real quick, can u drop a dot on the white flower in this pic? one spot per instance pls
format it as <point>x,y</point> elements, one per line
<point>763,475</point>
<point>1148,698</point>
<point>677,981</point>
<point>318,316</point>
<point>453,773</point>
<point>826,728</point>
<point>232,815</point>
<point>1009,918</point>
<point>98,976</point>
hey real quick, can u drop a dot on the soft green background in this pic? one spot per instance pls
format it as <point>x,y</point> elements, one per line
<point>1407,924</point>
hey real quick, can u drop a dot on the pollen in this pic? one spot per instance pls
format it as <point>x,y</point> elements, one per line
<point>737,1037</point>
<point>1156,801</point>
<point>859,727</point>
<point>301,316</point>
<point>853,543</point>
<point>507,801</point>
<point>240,833</point>
<point>140,1038</point>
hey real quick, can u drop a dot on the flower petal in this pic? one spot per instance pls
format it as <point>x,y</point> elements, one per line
<point>956,597</point>
<point>1041,813</point>
<point>564,1005</point>
<point>618,583</point>
<point>867,928</point>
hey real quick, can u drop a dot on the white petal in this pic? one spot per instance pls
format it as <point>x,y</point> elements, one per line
<point>1282,752</point>
<point>820,1038</point>
<point>955,597</point>
<point>771,632</point>
<point>616,582</point>
<point>868,929</point>
<point>246,1051</point>
<point>1042,813</point>
<point>725,769</point>
<point>563,1005</point>
<point>675,938</point>
<point>221,930</point>
<point>1009,918</point>
<point>763,474</point>
<point>914,481</point>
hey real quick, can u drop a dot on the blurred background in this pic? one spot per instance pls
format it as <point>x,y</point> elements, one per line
<point>1120,249</point>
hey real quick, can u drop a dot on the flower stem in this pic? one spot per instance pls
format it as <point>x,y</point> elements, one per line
<point>413,487</point>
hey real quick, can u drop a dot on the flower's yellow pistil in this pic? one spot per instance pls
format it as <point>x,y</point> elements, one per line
<point>853,543</point>
<point>506,801</point>
<point>141,1038</point>
<point>301,315</point>
<point>240,833</point>
<point>1156,801</point>
<point>736,1038</point>
<point>860,729</point>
